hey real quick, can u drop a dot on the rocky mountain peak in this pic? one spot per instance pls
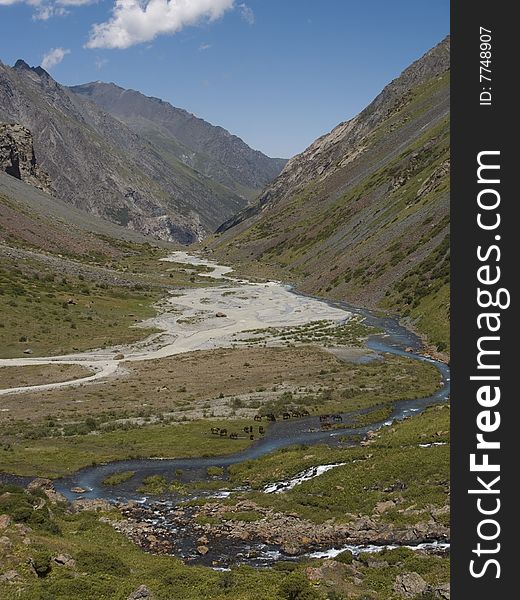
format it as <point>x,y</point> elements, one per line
<point>17,156</point>
<point>21,64</point>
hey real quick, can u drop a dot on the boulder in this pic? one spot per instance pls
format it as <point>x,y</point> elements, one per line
<point>95,504</point>
<point>441,592</point>
<point>382,507</point>
<point>220,314</point>
<point>5,521</point>
<point>9,576</point>
<point>202,550</point>
<point>119,356</point>
<point>5,544</point>
<point>47,486</point>
<point>22,529</point>
<point>78,490</point>
<point>409,585</point>
<point>141,593</point>
<point>65,560</point>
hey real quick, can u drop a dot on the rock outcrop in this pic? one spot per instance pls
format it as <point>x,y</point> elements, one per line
<point>17,156</point>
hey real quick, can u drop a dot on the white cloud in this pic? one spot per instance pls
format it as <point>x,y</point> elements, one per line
<point>137,21</point>
<point>75,2</point>
<point>45,9</point>
<point>246,12</point>
<point>203,47</point>
<point>53,57</point>
<point>100,62</point>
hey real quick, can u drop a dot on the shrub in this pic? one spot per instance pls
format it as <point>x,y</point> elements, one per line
<point>215,471</point>
<point>41,563</point>
<point>346,557</point>
<point>296,587</point>
<point>101,562</point>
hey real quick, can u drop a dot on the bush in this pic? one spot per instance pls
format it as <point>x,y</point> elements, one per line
<point>215,471</point>
<point>41,563</point>
<point>297,587</point>
<point>346,557</point>
<point>101,562</point>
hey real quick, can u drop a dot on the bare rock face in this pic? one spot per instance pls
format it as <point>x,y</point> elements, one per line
<point>17,156</point>
<point>99,164</point>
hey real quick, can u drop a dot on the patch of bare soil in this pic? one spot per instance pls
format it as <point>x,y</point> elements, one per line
<point>40,374</point>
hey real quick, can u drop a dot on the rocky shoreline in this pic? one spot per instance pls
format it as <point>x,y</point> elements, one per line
<point>219,535</point>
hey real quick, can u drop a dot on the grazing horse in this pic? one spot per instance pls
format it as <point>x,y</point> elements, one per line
<point>271,417</point>
<point>337,418</point>
<point>233,436</point>
<point>223,432</point>
<point>246,429</point>
<point>296,414</point>
<point>252,437</point>
<point>324,418</point>
<point>286,416</point>
<point>258,417</point>
<point>261,430</point>
<point>215,430</point>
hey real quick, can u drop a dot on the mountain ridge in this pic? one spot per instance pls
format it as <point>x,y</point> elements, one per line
<point>362,215</point>
<point>207,148</point>
<point>100,165</point>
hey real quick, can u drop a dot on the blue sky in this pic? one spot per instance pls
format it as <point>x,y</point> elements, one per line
<point>278,73</point>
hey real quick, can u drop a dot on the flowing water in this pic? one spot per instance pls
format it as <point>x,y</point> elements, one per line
<point>393,338</point>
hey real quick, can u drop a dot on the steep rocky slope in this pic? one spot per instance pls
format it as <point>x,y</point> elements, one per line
<point>98,164</point>
<point>363,214</point>
<point>32,219</point>
<point>180,135</point>
<point>17,156</point>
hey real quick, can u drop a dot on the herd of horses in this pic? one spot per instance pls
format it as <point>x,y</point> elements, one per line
<point>326,422</point>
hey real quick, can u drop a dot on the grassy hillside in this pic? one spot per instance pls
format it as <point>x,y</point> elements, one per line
<point>70,281</point>
<point>54,552</point>
<point>363,214</point>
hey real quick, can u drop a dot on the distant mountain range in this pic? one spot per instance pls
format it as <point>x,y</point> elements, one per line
<point>363,214</point>
<point>210,150</point>
<point>165,173</point>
